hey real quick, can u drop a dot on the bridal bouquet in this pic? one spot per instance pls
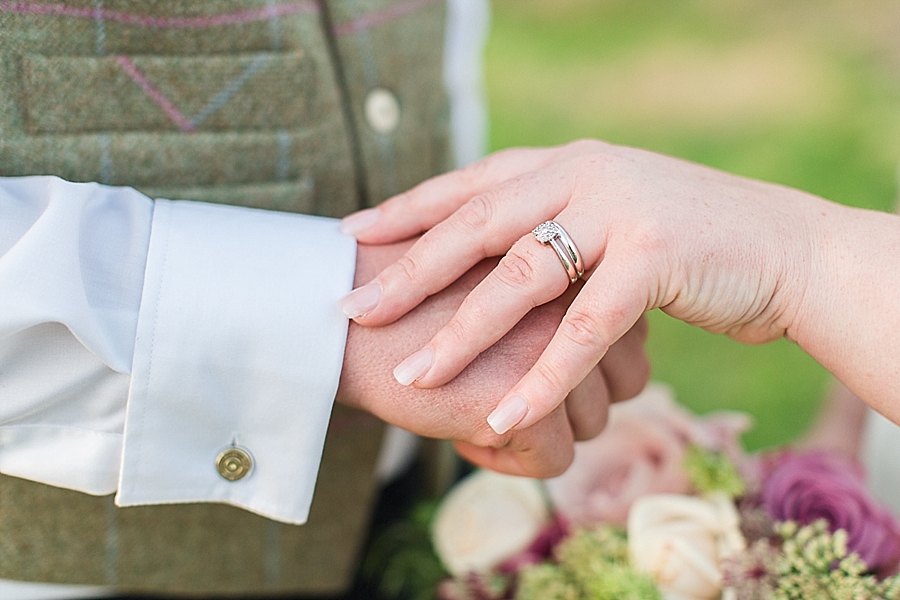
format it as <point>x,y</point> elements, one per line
<point>667,505</point>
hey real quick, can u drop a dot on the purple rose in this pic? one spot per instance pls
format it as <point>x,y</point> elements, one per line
<point>812,486</point>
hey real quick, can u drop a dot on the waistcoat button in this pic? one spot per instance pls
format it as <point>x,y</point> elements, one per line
<point>234,464</point>
<point>382,110</point>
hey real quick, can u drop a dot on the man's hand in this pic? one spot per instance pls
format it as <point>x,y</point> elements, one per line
<point>458,410</point>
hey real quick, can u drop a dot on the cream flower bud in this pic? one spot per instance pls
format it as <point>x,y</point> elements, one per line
<point>487,518</point>
<point>681,541</point>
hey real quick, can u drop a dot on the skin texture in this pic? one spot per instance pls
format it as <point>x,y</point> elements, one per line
<point>457,411</point>
<point>752,260</point>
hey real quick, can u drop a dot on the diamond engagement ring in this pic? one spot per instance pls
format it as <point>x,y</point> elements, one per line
<point>551,233</point>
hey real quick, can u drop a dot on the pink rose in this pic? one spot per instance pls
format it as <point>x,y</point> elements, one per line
<point>640,452</point>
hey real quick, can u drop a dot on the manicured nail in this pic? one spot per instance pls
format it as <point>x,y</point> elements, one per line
<point>508,414</point>
<point>362,300</point>
<point>414,367</point>
<point>358,221</point>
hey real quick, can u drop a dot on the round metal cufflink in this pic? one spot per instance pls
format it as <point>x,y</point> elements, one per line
<point>234,463</point>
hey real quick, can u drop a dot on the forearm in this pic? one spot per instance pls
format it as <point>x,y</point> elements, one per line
<point>840,423</point>
<point>848,318</point>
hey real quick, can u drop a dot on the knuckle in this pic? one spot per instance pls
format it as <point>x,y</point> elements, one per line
<point>583,145</point>
<point>650,237</point>
<point>515,269</point>
<point>456,334</point>
<point>487,438</point>
<point>401,200</point>
<point>583,330</point>
<point>586,148</point>
<point>589,430</point>
<point>553,380</point>
<point>476,213</point>
<point>473,174</point>
<point>641,329</point>
<point>635,383</point>
<point>559,464</point>
<point>409,267</point>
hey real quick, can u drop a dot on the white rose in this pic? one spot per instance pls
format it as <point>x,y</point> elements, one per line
<point>487,518</point>
<point>681,541</point>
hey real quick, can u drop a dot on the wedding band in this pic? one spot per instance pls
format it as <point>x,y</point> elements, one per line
<point>551,233</point>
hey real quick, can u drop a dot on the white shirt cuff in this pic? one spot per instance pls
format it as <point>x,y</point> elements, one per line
<point>239,343</point>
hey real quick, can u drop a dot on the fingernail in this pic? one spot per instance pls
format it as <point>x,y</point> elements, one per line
<point>362,300</point>
<point>508,414</point>
<point>414,367</point>
<point>358,221</point>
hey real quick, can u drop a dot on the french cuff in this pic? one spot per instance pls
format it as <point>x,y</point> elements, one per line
<point>237,358</point>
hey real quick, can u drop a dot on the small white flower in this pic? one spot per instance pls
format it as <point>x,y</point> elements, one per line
<point>487,518</point>
<point>681,541</point>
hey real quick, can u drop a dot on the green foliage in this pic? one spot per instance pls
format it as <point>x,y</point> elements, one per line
<point>592,565</point>
<point>546,582</point>
<point>476,586</point>
<point>587,546</point>
<point>401,560</point>
<point>814,564</point>
<point>713,472</point>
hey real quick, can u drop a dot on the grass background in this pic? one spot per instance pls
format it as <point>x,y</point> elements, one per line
<point>804,93</point>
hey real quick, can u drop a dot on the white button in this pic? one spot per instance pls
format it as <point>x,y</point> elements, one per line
<point>382,111</point>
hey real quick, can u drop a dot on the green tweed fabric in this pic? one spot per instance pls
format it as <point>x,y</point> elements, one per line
<point>134,104</point>
<point>369,59</point>
<point>247,102</point>
<point>59,536</point>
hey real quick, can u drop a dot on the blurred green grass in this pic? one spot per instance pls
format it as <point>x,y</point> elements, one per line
<point>805,93</point>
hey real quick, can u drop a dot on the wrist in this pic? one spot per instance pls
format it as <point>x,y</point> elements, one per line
<point>809,261</point>
<point>848,320</point>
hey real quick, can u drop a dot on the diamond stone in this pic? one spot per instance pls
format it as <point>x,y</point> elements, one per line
<point>546,231</point>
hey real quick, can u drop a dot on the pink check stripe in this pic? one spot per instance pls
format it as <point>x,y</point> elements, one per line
<point>199,22</point>
<point>164,103</point>
<point>392,13</point>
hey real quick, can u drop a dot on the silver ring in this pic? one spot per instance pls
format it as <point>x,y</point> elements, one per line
<point>551,233</point>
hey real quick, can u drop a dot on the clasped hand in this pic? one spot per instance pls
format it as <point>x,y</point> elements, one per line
<point>457,410</point>
<point>722,252</point>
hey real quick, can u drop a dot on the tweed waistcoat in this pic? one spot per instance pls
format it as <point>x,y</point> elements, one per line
<point>266,103</point>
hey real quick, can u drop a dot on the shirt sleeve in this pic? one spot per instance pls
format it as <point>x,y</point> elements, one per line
<point>218,324</point>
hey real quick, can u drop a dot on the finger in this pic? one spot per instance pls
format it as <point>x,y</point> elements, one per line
<point>529,275</point>
<point>545,450</point>
<point>587,406</point>
<point>432,201</point>
<point>626,367</point>
<point>487,225</point>
<point>608,305</point>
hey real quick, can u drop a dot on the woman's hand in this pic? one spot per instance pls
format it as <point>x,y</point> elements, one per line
<point>725,253</point>
<point>457,410</point>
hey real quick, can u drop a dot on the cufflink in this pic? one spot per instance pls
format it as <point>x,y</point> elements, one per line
<point>234,463</point>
